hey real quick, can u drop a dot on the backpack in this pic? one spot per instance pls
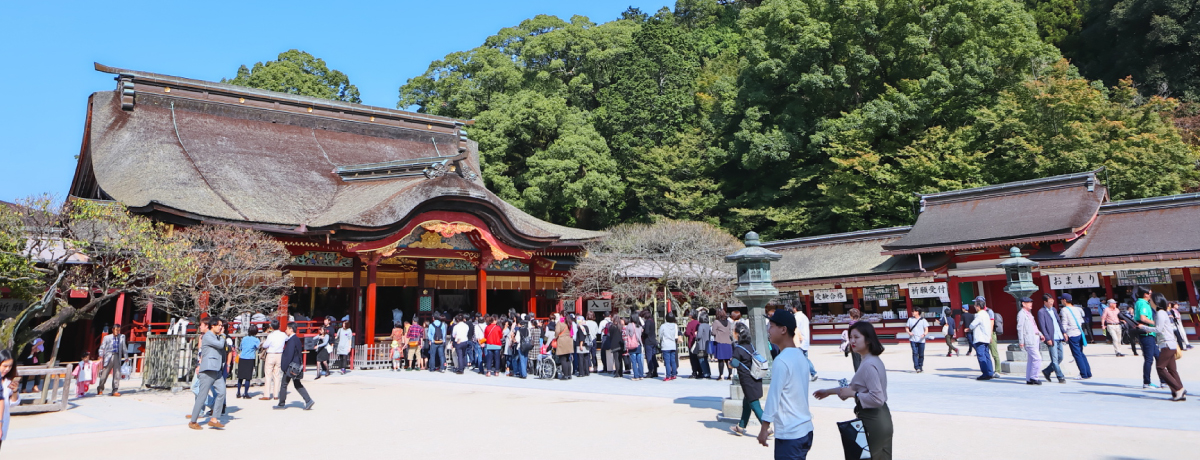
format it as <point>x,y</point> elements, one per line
<point>526,342</point>
<point>760,369</point>
<point>631,341</point>
<point>470,331</point>
<point>439,334</point>
<point>999,324</point>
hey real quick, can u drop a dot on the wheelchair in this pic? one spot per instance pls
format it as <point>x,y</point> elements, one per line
<point>546,368</point>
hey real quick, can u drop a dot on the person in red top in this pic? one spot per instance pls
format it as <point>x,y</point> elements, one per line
<point>493,336</point>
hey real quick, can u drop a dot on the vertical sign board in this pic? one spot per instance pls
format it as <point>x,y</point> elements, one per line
<point>885,293</point>
<point>1074,281</point>
<point>929,291</point>
<point>1137,277</point>
<point>829,295</point>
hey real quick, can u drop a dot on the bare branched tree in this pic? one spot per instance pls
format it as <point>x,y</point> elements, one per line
<point>238,271</point>
<point>637,260</point>
<point>98,249</point>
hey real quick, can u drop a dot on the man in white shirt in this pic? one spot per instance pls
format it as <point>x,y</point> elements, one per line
<point>274,348</point>
<point>787,399</point>
<point>981,333</point>
<point>917,328</point>
<point>462,343</point>
<point>1073,320</point>
<point>802,340</point>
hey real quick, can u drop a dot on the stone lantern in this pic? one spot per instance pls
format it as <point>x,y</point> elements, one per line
<point>754,287</point>
<point>1019,272</point>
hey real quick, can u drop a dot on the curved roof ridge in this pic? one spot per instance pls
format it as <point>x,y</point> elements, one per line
<point>1025,185</point>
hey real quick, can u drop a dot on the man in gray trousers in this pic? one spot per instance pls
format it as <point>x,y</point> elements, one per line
<point>209,373</point>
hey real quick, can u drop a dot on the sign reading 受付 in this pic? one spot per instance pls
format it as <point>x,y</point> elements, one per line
<point>829,295</point>
<point>1074,281</point>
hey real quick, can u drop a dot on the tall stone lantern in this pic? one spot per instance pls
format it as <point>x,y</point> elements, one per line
<point>1019,272</point>
<point>754,287</point>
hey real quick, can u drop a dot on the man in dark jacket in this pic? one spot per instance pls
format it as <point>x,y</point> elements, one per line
<point>1128,327</point>
<point>967,319</point>
<point>293,353</point>
<point>1054,334</point>
<point>650,342</point>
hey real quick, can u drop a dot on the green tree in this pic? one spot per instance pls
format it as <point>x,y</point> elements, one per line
<point>1157,42</point>
<point>1056,19</point>
<point>830,89</point>
<point>297,72</point>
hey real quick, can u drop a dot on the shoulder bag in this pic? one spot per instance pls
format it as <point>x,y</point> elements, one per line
<point>854,439</point>
<point>295,371</point>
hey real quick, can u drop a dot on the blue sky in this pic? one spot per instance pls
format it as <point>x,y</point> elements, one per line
<point>50,47</point>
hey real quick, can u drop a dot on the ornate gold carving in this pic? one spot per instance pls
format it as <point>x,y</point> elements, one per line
<point>447,229</point>
<point>431,240</point>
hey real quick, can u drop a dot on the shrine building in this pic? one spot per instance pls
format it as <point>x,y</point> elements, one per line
<point>384,211</point>
<point>1084,244</point>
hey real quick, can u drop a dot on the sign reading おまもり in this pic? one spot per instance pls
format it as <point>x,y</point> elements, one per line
<point>829,295</point>
<point>1074,281</point>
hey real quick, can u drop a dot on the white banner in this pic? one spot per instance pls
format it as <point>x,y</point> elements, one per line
<point>829,295</point>
<point>1075,281</point>
<point>929,291</point>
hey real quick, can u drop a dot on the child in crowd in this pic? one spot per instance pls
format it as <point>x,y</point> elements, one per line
<point>83,375</point>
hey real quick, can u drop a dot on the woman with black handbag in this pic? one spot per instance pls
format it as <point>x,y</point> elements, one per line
<point>868,387</point>
<point>752,389</point>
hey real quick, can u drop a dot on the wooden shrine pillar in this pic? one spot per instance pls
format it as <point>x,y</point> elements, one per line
<point>532,306</point>
<point>1190,284</point>
<point>481,290</point>
<point>908,304</point>
<point>369,327</point>
<point>955,304</point>
<point>149,316</point>
<point>203,304</point>
<point>1108,289</point>
<point>807,307</point>
<point>283,312</point>
<point>356,282</point>
<point>119,316</point>
<point>854,296</point>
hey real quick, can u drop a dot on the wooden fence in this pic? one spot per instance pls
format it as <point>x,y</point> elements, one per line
<point>55,389</point>
<point>171,360</point>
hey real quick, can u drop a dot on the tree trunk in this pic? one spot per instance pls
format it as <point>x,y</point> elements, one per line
<point>57,341</point>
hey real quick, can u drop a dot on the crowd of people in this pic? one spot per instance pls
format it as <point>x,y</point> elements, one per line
<point>1152,323</point>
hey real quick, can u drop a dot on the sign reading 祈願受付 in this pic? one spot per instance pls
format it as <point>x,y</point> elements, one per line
<point>1075,281</point>
<point>929,290</point>
<point>887,292</point>
<point>1150,276</point>
<point>829,295</point>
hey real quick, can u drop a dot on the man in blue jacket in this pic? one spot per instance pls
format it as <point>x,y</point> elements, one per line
<point>293,356</point>
<point>1054,334</point>
<point>212,358</point>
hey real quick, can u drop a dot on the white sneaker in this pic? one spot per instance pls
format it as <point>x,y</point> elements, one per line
<point>814,377</point>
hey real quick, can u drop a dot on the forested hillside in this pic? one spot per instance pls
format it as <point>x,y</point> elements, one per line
<point>801,117</point>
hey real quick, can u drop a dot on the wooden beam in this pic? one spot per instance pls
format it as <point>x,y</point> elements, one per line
<point>1190,284</point>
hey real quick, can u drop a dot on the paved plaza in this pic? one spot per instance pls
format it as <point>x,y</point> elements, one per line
<point>942,413</point>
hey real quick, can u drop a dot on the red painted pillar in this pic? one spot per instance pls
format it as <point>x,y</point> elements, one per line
<point>369,328</point>
<point>481,290</point>
<point>203,305</point>
<point>908,305</point>
<point>1108,289</point>
<point>283,311</point>
<point>854,297</point>
<point>120,313</point>
<point>955,302</point>
<point>532,306</point>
